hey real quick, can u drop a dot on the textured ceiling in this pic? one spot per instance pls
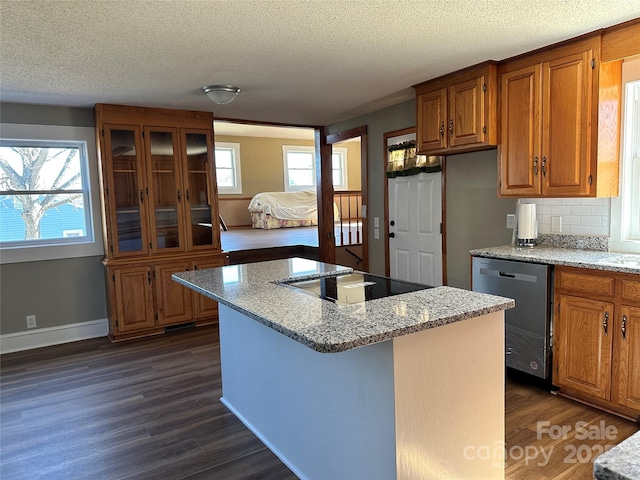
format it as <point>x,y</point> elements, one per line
<point>312,62</point>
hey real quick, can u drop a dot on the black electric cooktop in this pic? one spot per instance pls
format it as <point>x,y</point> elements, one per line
<point>354,287</point>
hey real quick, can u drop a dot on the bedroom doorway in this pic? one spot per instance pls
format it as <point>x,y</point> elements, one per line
<point>252,168</point>
<point>349,162</point>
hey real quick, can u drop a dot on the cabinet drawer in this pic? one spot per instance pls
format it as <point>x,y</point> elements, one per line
<point>631,290</point>
<point>585,282</point>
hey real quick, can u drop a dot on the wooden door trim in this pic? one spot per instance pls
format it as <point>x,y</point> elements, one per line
<point>327,185</point>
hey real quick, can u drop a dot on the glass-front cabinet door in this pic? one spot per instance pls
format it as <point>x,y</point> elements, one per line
<point>125,193</point>
<point>199,181</point>
<point>165,188</point>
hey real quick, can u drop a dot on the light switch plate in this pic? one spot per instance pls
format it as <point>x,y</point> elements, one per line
<point>511,220</point>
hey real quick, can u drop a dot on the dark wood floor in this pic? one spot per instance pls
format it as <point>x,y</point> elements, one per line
<point>149,409</point>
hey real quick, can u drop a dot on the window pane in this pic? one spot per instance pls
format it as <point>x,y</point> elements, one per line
<point>225,177</point>
<point>337,180</point>
<point>224,158</point>
<point>335,161</point>
<point>300,160</point>
<point>39,168</point>
<point>300,178</point>
<point>34,217</point>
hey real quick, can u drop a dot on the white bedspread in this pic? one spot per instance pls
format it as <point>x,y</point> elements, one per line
<point>300,205</point>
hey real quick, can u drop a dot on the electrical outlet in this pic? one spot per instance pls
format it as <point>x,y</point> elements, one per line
<point>556,224</point>
<point>31,321</point>
<point>511,220</point>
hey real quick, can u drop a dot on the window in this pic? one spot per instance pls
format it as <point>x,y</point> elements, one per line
<point>228,168</point>
<point>339,168</point>
<point>48,187</point>
<point>625,209</point>
<point>44,193</point>
<point>299,168</point>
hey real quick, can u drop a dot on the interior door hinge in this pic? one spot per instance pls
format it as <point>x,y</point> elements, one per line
<point>590,179</point>
<point>111,248</point>
<point>116,323</point>
<point>156,316</point>
<point>484,87</point>
<point>102,131</point>
<point>143,134</point>
<point>440,227</point>
<point>484,129</point>
<point>114,278</point>
<point>593,63</point>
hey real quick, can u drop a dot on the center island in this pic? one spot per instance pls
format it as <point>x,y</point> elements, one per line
<point>406,386</point>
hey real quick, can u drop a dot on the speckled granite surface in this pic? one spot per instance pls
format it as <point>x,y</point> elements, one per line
<point>323,325</point>
<point>583,242</point>
<point>609,261</point>
<point>622,462</point>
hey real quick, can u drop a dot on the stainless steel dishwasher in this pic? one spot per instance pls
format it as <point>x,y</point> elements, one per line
<point>528,325</point>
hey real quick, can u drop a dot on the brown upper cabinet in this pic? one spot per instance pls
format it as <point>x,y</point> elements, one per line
<point>560,123</point>
<point>457,112</point>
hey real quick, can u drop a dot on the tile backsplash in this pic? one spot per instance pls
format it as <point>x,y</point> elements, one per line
<point>580,216</point>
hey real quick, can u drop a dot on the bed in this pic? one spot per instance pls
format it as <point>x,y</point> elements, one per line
<point>284,209</point>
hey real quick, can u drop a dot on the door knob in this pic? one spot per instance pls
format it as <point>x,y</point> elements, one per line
<point>392,223</point>
<point>392,235</point>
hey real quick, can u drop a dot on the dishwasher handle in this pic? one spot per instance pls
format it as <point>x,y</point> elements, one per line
<point>507,275</point>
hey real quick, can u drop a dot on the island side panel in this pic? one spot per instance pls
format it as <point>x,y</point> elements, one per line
<point>325,415</point>
<point>449,390</point>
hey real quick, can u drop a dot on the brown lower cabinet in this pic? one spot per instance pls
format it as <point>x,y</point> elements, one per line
<point>143,298</point>
<point>596,338</point>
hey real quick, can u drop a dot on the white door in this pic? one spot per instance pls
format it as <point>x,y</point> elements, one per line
<point>415,240</point>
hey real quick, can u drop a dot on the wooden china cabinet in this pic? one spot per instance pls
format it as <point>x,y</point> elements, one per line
<point>160,215</point>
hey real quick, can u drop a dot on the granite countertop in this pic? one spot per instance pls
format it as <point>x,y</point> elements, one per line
<point>325,326</point>
<point>622,462</point>
<point>597,260</point>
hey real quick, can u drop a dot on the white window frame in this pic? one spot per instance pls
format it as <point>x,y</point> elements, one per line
<point>625,209</point>
<point>90,245</point>
<point>286,149</point>
<point>344,174</point>
<point>237,174</point>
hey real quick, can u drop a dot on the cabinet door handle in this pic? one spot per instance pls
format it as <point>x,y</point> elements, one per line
<point>149,276</point>
<point>451,127</point>
<point>442,129</point>
<point>624,327</point>
<point>535,166</point>
<point>605,324</point>
<point>544,166</point>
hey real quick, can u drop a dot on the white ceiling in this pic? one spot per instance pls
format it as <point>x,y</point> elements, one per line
<point>311,62</point>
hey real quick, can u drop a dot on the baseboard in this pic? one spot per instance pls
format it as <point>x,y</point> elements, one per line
<point>44,337</point>
<point>263,439</point>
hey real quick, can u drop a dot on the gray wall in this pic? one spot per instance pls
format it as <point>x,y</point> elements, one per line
<point>476,217</point>
<point>378,123</point>
<point>58,292</point>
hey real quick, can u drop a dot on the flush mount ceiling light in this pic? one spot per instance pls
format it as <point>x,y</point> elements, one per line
<point>221,94</point>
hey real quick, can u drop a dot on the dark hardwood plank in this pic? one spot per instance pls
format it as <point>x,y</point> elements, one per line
<point>150,409</point>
